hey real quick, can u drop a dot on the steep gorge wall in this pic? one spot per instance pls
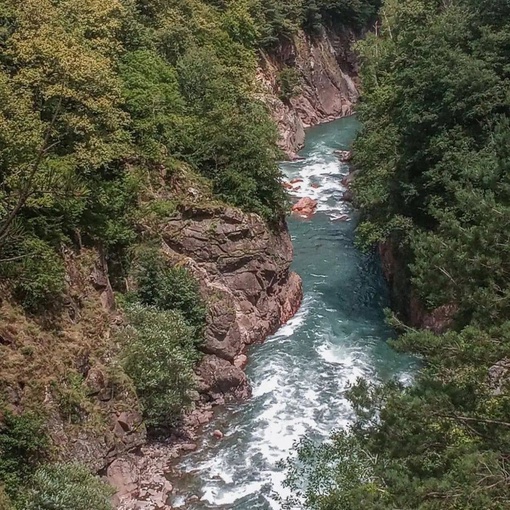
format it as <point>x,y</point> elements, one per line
<point>327,68</point>
<point>243,267</point>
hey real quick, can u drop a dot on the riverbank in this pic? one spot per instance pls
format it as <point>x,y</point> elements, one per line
<point>298,375</point>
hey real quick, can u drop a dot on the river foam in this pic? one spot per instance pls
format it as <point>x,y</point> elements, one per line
<point>299,376</point>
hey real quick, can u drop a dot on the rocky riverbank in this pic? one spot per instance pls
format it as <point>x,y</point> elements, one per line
<point>242,265</point>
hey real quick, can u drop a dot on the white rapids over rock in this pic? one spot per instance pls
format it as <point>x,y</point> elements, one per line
<point>300,374</point>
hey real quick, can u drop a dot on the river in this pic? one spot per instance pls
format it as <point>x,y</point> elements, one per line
<point>299,375</point>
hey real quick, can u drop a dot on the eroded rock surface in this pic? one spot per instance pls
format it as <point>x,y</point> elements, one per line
<point>305,207</point>
<point>243,269</point>
<point>328,71</point>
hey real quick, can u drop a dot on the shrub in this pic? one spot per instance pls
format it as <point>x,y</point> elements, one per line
<point>37,273</point>
<point>22,446</point>
<point>289,82</point>
<point>68,487</point>
<point>70,395</point>
<point>171,288</point>
<point>159,356</point>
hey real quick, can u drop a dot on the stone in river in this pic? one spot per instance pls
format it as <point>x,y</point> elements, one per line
<point>218,434</point>
<point>345,156</point>
<point>295,181</point>
<point>305,207</point>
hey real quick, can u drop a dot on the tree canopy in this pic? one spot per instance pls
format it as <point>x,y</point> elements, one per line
<point>433,184</point>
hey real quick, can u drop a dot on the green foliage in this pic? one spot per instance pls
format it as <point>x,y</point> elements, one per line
<point>70,395</point>
<point>67,487</point>
<point>434,167</point>
<point>170,288</point>
<point>280,20</point>
<point>23,445</point>
<point>153,99</point>
<point>289,82</point>
<point>159,356</point>
<point>37,273</point>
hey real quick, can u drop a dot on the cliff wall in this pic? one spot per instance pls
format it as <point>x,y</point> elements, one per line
<point>327,69</point>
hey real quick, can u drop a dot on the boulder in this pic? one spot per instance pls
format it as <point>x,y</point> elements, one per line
<point>218,434</point>
<point>241,361</point>
<point>305,207</point>
<point>123,475</point>
<point>348,196</point>
<point>348,179</point>
<point>219,378</point>
<point>344,156</point>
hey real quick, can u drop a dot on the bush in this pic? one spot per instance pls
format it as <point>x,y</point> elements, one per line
<point>171,288</point>
<point>22,446</point>
<point>68,487</point>
<point>37,273</point>
<point>289,82</point>
<point>159,356</point>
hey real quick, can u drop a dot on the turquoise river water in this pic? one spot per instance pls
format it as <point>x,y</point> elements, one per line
<point>299,375</point>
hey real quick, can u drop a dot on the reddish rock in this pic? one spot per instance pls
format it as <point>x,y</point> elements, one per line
<point>218,434</point>
<point>292,299</point>
<point>287,185</point>
<point>220,379</point>
<point>241,361</point>
<point>296,181</point>
<point>305,207</point>
<point>315,185</point>
<point>327,90</point>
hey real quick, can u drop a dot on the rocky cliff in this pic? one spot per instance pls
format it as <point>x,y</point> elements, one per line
<point>327,68</point>
<point>243,267</point>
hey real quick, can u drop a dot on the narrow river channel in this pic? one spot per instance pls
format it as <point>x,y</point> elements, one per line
<point>299,375</point>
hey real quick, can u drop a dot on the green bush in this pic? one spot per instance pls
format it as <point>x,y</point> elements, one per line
<point>22,447</point>
<point>170,288</point>
<point>70,396</point>
<point>159,356</point>
<point>68,487</point>
<point>37,274</point>
<point>289,82</point>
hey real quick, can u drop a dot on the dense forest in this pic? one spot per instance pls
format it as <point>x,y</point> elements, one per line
<point>434,186</point>
<point>104,107</point>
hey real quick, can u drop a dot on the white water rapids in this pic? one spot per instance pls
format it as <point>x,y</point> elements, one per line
<point>299,375</point>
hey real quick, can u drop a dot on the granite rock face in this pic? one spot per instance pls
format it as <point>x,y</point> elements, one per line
<point>243,267</point>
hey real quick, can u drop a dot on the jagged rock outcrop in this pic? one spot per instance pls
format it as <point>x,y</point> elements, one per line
<point>243,269</point>
<point>327,68</point>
